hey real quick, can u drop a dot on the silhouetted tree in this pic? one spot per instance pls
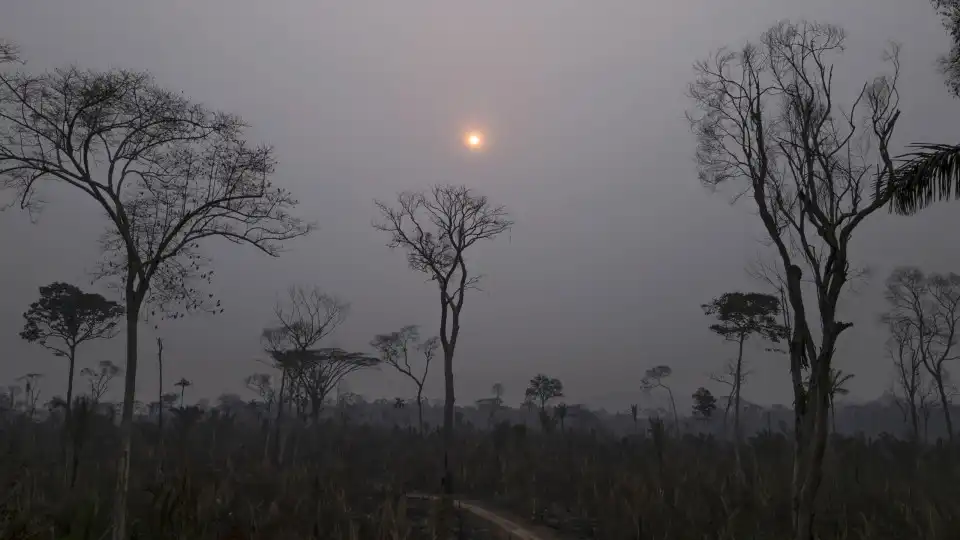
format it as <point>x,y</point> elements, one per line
<point>560,412</point>
<point>768,116</point>
<point>305,318</point>
<point>930,172</point>
<point>704,403</point>
<point>542,389</point>
<point>653,378</point>
<point>395,348</point>
<point>183,383</point>
<point>61,320</point>
<point>65,317</point>
<point>927,309</point>
<point>99,379</point>
<point>166,172</point>
<point>160,387</point>
<point>904,348</point>
<point>634,413</point>
<point>436,229</point>
<point>31,390</point>
<point>740,316</point>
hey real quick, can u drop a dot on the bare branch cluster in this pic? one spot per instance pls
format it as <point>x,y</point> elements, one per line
<point>436,228</point>
<point>167,172</point>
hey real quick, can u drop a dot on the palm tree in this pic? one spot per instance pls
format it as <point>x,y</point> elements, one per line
<point>929,174</point>
<point>183,383</point>
<point>932,171</point>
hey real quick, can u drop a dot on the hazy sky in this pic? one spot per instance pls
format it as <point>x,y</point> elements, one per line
<point>615,246</point>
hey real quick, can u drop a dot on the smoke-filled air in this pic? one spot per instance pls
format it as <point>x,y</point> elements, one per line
<point>433,270</point>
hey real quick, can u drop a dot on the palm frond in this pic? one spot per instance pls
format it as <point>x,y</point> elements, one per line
<point>927,175</point>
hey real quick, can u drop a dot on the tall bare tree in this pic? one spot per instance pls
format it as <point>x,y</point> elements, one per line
<point>167,173</point>
<point>436,228</point>
<point>395,349</point>
<point>925,312</point>
<point>768,118</point>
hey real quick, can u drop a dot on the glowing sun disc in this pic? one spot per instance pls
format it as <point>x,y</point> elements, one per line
<point>473,140</point>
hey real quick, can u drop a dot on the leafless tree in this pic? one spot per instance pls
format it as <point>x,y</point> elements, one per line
<point>653,378</point>
<point>728,377</point>
<point>395,349</point>
<point>924,312</point>
<point>436,228</point>
<point>99,379</point>
<point>166,172</point>
<point>768,117</point>
<point>31,390</point>
<point>903,350</point>
<point>305,318</point>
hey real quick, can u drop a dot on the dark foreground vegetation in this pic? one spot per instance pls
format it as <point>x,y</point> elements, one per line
<point>209,478</point>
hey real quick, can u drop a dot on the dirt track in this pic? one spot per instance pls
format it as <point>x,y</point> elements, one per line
<point>512,527</point>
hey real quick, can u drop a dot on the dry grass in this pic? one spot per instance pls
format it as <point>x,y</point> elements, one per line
<point>346,482</point>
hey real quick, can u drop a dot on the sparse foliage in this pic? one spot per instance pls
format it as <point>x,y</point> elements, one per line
<point>923,316</point>
<point>64,318</point>
<point>654,378</point>
<point>768,118</point>
<point>436,229</point>
<point>395,349</point>
<point>166,172</point>
<point>542,389</point>
<point>99,379</point>
<point>704,404</point>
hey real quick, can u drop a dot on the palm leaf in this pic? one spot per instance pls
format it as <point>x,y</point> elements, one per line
<point>927,175</point>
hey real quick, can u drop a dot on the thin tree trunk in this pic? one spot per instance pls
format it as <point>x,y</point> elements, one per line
<point>133,300</point>
<point>420,407</point>
<point>673,405</point>
<point>737,436</point>
<point>945,404</point>
<point>68,440</point>
<point>448,410</point>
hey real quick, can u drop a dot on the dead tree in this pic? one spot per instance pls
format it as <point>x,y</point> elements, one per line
<point>653,378</point>
<point>767,117</point>
<point>167,174</point>
<point>732,376</point>
<point>436,228</point>
<point>305,318</point>
<point>924,312</point>
<point>395,349</point>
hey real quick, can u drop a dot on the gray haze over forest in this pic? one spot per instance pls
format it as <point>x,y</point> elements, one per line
<point>616,243</point>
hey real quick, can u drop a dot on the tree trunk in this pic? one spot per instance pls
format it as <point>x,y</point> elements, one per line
<point>160,391</point>
<point>133,301</point>
<point>420,407</point>
<point>68,440</point>
<point>945,404</point>
<point>914,420</point>
<point>737,436</point>
<point>448,409</point>
<point>273,453</point>
<point>673,405</point>
<point>808,464</point>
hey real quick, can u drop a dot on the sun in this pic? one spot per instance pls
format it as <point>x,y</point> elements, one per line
<point>473,140</point>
